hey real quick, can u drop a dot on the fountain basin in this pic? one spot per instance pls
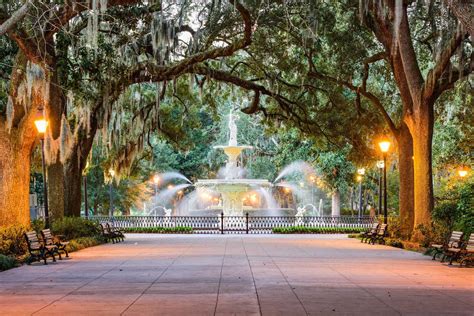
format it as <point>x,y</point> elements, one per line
<point>232,192</point>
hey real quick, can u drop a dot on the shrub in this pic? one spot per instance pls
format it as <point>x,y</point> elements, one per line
<point>83,242</point>
<point>393,242</point>
<point>12,241</point>
<point>75,227</point>
<point>160,230</point>
<point>315,230</point>
<point>7,262</point>
<point>37,225</point>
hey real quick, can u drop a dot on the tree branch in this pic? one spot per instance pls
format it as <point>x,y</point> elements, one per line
<point>463,11</point>
<point>442,63</point>
<point>408,56</point>
<point>16,17</point>
<point>370,96</point>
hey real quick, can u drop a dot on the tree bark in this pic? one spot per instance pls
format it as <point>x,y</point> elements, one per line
<point>14,179</point>
<point>336,203</point>
<point>55,171</point>
<point>17,140</point>
<point>74,166</point>
<point>406,189</point>
<point>421,128</point>
<point>72,188</point>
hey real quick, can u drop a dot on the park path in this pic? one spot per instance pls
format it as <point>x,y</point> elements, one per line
<point>239,275</point>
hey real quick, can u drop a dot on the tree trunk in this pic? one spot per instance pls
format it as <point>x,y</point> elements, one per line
<point>74,166</point>
<point>406,193</point>
<point>336,203</point>
<point>55,178</point>
<point>55,173</point>
<point>72,188</point>
<point>14,179</point>
<point>422,133</point>
<point>16,144</point>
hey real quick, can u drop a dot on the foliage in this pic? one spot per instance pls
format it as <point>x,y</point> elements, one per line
<point>160,230</point>
<point>337,172</point>
<point>83,242</point>
<point>7,262</point>
<point>12,240</point>
<point>454,210</point>
<point>75,227</point>
<point>394,243</point>
<point>38,225</point>
<point>315,230</point>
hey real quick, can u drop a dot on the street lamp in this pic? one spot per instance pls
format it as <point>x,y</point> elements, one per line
<point>360,177</point>
<point>41,125</point>
<point>380,165</point>
<point>84,180</point>
<point>111,208</point>
<point>384,147</point>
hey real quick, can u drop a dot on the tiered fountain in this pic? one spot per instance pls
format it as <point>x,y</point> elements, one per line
<point>233,188</point>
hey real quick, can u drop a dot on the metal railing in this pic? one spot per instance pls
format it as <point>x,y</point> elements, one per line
<point>246,224</point>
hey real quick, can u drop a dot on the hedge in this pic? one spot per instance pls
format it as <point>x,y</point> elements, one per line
<point>159,230</point>
<point>315,230</point>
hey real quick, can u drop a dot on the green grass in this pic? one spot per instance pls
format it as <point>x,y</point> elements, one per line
<point>159,230</point>
<point>315,230</point>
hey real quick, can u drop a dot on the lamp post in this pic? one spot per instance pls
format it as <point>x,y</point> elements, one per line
<point>384,147</point>
<point>380,165</point>
<point>360,177</point>
<point>41,125</point>
<point>111,208</point>
<point>84,181</point>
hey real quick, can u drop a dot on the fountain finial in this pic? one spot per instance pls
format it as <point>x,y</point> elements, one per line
<point>232,129</point>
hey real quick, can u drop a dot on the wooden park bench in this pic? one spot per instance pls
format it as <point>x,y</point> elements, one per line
<point>367,235</point>
<point>39,251</point>
<point>467,255</point>
<point>454,241</point>
<point>463,252</point>
<point>115,230</point>
<point>50,240</point>
<point>380,235</point>
<point>108,234</point>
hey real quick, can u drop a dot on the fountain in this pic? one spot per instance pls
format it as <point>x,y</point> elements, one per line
<point>233,188</point>
<point>233,194</point>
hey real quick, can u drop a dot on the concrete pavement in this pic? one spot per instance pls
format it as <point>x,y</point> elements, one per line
<point>239,275</point>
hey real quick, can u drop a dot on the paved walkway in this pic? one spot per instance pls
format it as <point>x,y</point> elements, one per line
<point>239,275</point>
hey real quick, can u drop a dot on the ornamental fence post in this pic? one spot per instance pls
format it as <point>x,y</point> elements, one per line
<point>247,222</point>
<point>222,223</point>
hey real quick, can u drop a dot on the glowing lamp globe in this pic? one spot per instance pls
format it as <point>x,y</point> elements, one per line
<point>462,172</point>
<point>41,125</point>
<point>384,146</point>
<point>156,179</point>
<point>359,178</point>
